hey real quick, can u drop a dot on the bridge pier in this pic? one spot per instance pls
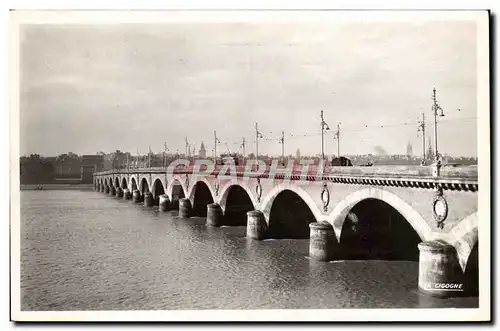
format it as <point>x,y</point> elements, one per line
<point>322,241</point>
<point>439,273</point>
<point>148,199</point>
<point>136,196</point>
<point>256,225</point>
<point>126,194</point>
<point>184,208</point>
<point>164,203</point>
<point>112,190</point>
<point>106,189</point>
<point>214,214</point>
<point>119,192</point>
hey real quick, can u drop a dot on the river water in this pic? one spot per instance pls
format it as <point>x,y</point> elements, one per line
<point>82,250</point>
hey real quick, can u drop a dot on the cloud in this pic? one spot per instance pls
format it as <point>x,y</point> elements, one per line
<point>89,88</point>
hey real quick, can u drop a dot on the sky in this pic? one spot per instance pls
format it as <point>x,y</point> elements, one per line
<point>91,88</point>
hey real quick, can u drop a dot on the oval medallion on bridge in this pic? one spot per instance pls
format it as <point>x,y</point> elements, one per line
<point>258,190</point>
<point>325,197</point>
<point>440,210</point>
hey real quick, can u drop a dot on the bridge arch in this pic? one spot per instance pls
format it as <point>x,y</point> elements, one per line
<point>117,182</point>
<point>124,183</point>
<point>157,188</point>
<point>225,190</point>
<point>236,200</point>
<point>176,180</point>
<point>201,195</point>
<point>144,186</point>
<point>338,215</point>
<point>192,189</point>
<point>288,209</point>
<point>268,200</point>
<point>372,223</point>
<point>133,183</point>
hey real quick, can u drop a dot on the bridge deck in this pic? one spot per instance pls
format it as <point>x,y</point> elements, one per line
<point>458,173</point>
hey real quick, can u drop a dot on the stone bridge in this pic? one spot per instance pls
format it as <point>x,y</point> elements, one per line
<point>421,213</point>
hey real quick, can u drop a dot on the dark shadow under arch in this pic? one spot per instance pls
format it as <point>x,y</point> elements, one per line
<point>133,184</point>
<point>177,193</point>
<point>144,186</point>
<point>117,182</point>
<point>202,197</point>
<point>289,217</point>
<point>124,183</point>
<point>158,190</point>
<point>375,230</point>
<point>238,203</point>
<point>471,274</point>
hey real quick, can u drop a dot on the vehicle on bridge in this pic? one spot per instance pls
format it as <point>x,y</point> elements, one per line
<point>228,158</point>
<point>341,162</point>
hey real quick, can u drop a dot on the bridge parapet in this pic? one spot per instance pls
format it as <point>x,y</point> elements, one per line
<point>463,178</point>
<point>456,172</point>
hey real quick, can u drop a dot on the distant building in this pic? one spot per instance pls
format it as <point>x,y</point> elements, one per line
<point>67,166</point>
<point>430,152</point>
<point>297,154</point>
<point>203,152</point>
<point>89,165</point>
<point>95,162</point>
<point>409,149</point>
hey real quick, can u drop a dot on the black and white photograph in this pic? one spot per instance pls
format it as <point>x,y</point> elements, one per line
<point>250,165</point>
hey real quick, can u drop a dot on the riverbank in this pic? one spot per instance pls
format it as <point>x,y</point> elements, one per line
<point>43,187</point>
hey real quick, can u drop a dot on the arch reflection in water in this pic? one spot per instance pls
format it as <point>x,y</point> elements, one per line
<point>375,230</point>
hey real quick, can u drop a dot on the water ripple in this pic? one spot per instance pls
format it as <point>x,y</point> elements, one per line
<point>86,251</point>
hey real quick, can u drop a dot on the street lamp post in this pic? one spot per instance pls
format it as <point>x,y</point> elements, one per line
<point>165,149</point>
<point>435,108</point>
<point>282,142</point>
<point>149,158</point>
<point>257,136</point>
<point>324,127</point>
<point>216,140</point>
<point>137,160</point>
<point>337,136</point>
<point>243,146</point>
<point>421,128</point>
